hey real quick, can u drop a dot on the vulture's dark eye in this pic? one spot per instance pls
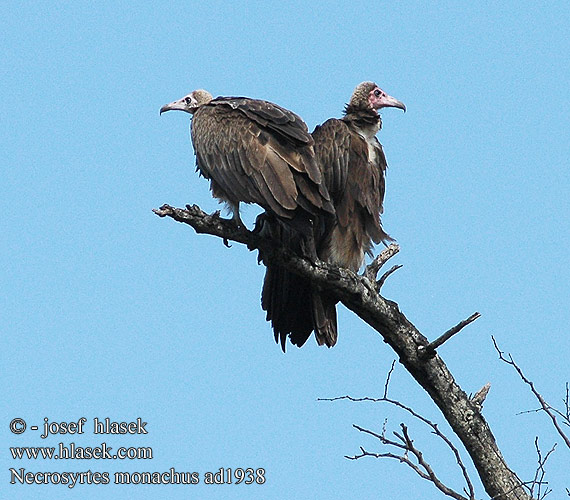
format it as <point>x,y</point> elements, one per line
<point>377,93</point>
<point>187,100</point>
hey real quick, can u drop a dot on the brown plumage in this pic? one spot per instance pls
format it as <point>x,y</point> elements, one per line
<point>293,306</point>
<point>254,151</point>
<point>353,164</point>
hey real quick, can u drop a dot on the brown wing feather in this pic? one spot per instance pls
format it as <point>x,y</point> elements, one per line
<point>257,152</point>
<point>288,128</point>
<point>332,150</point>
<point>248,163</point>
<point>356,185</point>
<point>270,115</point>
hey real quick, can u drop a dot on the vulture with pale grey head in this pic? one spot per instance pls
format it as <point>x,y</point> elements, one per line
<point>254,151</point>
<point>353,164</point>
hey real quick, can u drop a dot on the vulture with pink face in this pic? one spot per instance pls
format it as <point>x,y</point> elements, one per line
<point>353,165</point>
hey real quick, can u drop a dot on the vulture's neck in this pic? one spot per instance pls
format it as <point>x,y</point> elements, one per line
<point>365,120</point>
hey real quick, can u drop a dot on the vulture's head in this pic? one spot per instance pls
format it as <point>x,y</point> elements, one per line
<point>189,103</point>
<point>368,95</point>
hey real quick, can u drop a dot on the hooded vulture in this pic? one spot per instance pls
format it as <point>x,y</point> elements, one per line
<point>254,151</point>
<point>353,164</point>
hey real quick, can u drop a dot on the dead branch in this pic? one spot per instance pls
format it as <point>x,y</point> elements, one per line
<point>481,395</point>
<point>544,406</point>
<point>388,378</point>
<point>429,350</point>
<point>426,421</point>
<point>538,480</point>
<point>421,466</point>
<point>359,295</point>
<point>372,269</point>
<point>384,277</point>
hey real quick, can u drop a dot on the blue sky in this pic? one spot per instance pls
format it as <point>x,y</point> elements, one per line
<point>109,311</point>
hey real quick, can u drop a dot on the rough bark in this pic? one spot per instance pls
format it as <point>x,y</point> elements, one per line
<point>359,294</point>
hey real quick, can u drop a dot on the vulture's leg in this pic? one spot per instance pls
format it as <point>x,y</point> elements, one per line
<point>235,215</point>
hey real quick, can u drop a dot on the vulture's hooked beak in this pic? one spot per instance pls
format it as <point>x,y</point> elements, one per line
<point>180,105</point>
<point>387,101</point>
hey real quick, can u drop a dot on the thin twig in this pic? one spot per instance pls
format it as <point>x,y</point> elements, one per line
<point>434,426</point>
<point>401,458</point>
<point>406,444</point>
<point>549,410</point>
<point>384,277</point>
<point>388,378</point>
<point>540,472</point>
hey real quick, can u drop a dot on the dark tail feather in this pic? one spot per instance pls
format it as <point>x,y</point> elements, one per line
<point>294,308</point>
<point>287,299</point>
<point>324,319</point>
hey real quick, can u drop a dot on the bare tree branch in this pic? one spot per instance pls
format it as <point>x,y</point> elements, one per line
<point>481,395</point>
<point>422,467</point>
<point>538,480</point>
<point>388,378</point>
<point>360,295</point>
<point>429,350</point>
<point>372,269</point>
<point>544,406</point>
<point>384,277</point>
<point>411,411</point>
